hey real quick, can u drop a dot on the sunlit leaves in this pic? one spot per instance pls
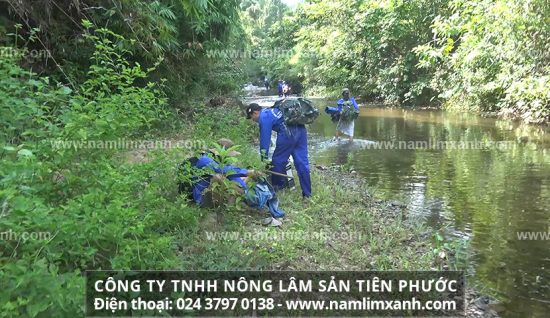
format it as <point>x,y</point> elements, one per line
<point>495,52</point>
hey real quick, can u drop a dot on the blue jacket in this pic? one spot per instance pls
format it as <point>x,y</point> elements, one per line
<point>210,167</point>
<point>270,119</point>
<point>341,103</point>
<point>235,174</point>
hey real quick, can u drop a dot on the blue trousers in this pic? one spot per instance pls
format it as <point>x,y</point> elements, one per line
<point>292,142</point>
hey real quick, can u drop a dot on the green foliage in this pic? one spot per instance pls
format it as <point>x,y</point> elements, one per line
<point>109,97</point>
<point>349,112</point>
<point>173,36</point>
<point>281,38</point>
<point>450,254</point>
<point>364,45</point>
<point>492,56</point>
<point>265,23</point>
<point>224,122</point>
<point>260,15</point>
<point>478,55</point>
<point>348,165</point>
<point>92,211</point>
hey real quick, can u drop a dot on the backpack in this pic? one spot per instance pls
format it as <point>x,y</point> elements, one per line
<point>348,112</point>
<point>297,111</point>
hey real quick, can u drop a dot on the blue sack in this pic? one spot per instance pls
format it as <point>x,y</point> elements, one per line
<point>331,110</point>
<point>334,113</point>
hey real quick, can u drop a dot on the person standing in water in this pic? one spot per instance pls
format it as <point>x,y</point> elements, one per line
<point>280,88</point>
<point>286,89</point>
<point>349,111</point>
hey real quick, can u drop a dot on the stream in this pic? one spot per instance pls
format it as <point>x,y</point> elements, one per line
<point>485,180</point>
<point>485,194</point>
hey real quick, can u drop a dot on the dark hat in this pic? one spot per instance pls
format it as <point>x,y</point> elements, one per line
<point>252,108</point>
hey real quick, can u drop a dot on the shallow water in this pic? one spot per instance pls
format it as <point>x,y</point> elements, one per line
<point>486,179</point>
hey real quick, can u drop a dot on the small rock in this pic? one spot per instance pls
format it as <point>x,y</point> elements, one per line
<point>398,204</point>
<point>497,307</point>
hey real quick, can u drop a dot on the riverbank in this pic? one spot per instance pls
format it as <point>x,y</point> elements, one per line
<point>356,230</point>
<point>342,227</point>
<point>118,208</point>
<point>260,97</point>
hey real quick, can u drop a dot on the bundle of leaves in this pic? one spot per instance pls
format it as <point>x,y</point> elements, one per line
<point>348,112</point>
<point>335,117</point>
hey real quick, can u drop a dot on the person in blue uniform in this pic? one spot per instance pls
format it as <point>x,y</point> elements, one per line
<point>208,171</point>
<point>286,89</point>
<point>291,141</point>
<point>208,167</point>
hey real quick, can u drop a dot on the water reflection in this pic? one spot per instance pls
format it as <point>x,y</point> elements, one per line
<point>489,194</point>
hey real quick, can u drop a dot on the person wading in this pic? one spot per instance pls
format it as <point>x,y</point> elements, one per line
<point>348,110</point>
<point>280,88</point>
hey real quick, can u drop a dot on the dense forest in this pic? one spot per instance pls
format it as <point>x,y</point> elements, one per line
<point>467,55</point>
<point>483,56</point>
<point>112,69</point>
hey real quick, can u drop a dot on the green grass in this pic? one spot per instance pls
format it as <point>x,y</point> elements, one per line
<point>359,234</point>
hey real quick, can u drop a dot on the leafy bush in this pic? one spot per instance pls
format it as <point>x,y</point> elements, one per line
<point>92,211</point>
<point>177,32</point>
<point>492,56</point>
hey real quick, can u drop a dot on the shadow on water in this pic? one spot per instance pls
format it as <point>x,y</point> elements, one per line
<point>489,179</point>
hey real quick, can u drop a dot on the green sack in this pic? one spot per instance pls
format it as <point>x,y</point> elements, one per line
<point>348,112</point>
<point>297,111</point>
